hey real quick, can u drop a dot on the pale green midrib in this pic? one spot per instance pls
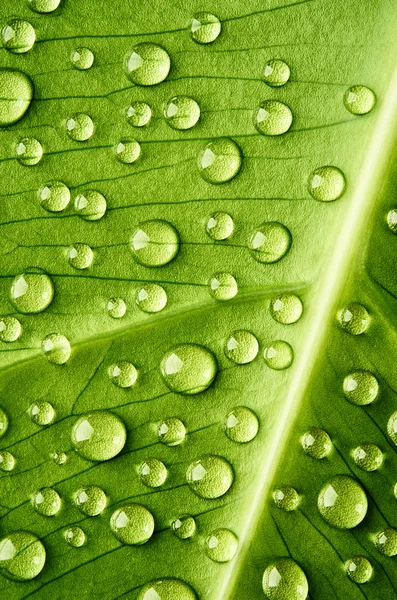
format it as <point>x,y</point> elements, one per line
<point>329,290</point>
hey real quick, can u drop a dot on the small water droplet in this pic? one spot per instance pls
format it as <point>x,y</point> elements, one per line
<point>151,298</point>
<point>221,545</point>
<point>342,502</point>
<point>286,308</point>
<point>90,205</point>
<point>359,100</point>
<point>368,457</point>
<point>148,64</point>
<point>223,286</point>
<point>171,432</point>
<point>132,524</point>
<point>18,36</point>
<point>184,527</point>
<point>205,28</point>
<point>10,329</point>
<point>16,92</point>
<point>56,348</point>
<point>278,355</point>
<point>139,114</point>
<point>80,256</point>
<point>220,160</point>
<point>386,541</point>
<point>32,291</point>
<point>181,112</point>
<point>360,387</point>
<point>241,425</point>
<point>220,226</point>
<point>80,127</point>
<point>7,461</point>
<point>155,243</point>
<point>270,242</point>
<point>359,569</point>
<point>167,589</point>
<point>42,413</point>
<point>327,184</point>
<point>286,498</point>
<point>99,435</point>
<point>392,219</point>
<point>354,318</point>
<point>44,6</point>
<point>188,369</point>
<point>153,473</point>
<point>75,536</point>
<point>316,443</point>
<point>276,73</point>
<point>285,580</point>
<point>123,374</point>
<point>22,556</point>
<point>272,118</point>
<point>91,500</point>
<point>392,427</point>
<point>116,308</point>
<point>47,502</point>
<point>82,58</point>
<point>242,347</point>
<point>29,151</point>
<point>210,476</point>
<point>59,458</point>
<point>54,196</point>
<point>128,151</point>
<point>3,422</point>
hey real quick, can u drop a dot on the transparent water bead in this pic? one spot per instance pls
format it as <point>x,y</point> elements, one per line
<point>80,127</point>
<point>392,219</point>
<point>128,151</point>
<point>270,242</point>
<point>171,432</point>
<point>184,527</point>
<point>359,569</point>
<point>327,184</point>
<point>148,64</point>
<point>32,291</point>
<point>54,196</point>
<point>90,205</point>
<point>285,580</point>
<point>153,473</point>
<point>181,112</point>
<point>272,118</point>
<point>47,502</point>
<point>60,458</point>
<point>386,541</point>
<point>99,435</point>
<point>44,6</point>
<point>167,589</point>
<point>139,114</point>
<point>91,500</point>
<point>155,243</point>
<point>317,443</point>
<point>368,457</point>
<point>29,151</point>
<point>42,413</point>
<point>210,476</point>
<point>278,355</point>
<point>242,347</point>
<point>123,374</point>
<point>188,369</point>
<point>342,502</point>
<point>360,388</point>
<point>75,537</point>
<point>220,226</point>
<point>116,308</point>
<point>56,348</point>
<point>7,461</point>
<point>286,308</point>
<point>151,298</point>
<point>220,160</point>
<point>276,73</point>
<point>80,256</point>
<point>223,286</point>
<point>18,36</point>
<point>3,422</point>
<point>82,58</point>
<point>359,99</point>
<point>241,425</point>
<point>205,28</point>
<point>22,556</point>
<point>221,545</point>
<point>16,92</point>
<point>286,498</point>
<point>354,319</point>
<point>10,329</point>
<point>392,427</point>
<point>132,524</point>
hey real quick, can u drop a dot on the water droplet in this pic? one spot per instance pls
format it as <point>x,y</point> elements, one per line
<point>188,369</point>
<point>360,387</point>
<point>139,114</point>
<point>54,196</point>
<point>221,545</point>
<point>132,524</point>
<point>286,308</point>
<point>327,184</point>
<point>276,73</point>
<point>56,348</point>
<point>205,28</point>
<point>210,476</point>
<point>286,498</point>
<point>184,527</point>
<point>241,425</point>
<point>22,556</point>
<point>270,242</point>
<point>10,329</point>
<point>99,435</point>
<point>42,413</point>
<point>82,58</point>
<point>272,118</point>
<point>392,220</point>
<point>368,457</point>
<point>181,112</point>
<point>91,500</point>
<point>223,286</point>
<point>386,541</point>
<point>148,64</point>
<point>171,432</point>
<point>342,502</point>
<point>16,91</point>
<point>128,151</point>
<point>47,502</point>
<point>151,298</point>
<point>359,569</point>
<point>392,427</point>
<point>116,308</point>
<point>155,243</point>
<point>123,374</point>
<point>359,100</point>
<point>29,152</point>
<point>3,422</point>
<point>285,580</point>
<point>75,536</point>
<point>7,461</point>
<point>354,319</point>
<point>278,355</point>
<point>59,458</point>
<point>220,226</point>
<point>220,160</point>
<point>317,443</point>
<point>90,205</point>
<point>18,36</point>
<point>80,127</point>
<point>167,589</point>
<point>242,347</point>
<point>44,6</point>
<point>32,291</point>
<point>153,472</point>
<point>80,256</point>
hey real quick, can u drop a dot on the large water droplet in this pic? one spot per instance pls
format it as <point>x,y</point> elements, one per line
<point>47,502</point>
<point>188,369</point>
<point>75,536</point>
<point>128,151</point>
<point>270,242</point>
<point>368,457</point>
<point>123,374</point>
<point>278,355</point>
<point>56,348</point>
<point>153,473</point>
<point>139,114</point>
<point>80,256</point>
<point>316,443</point>
<point>392,427</point>
<point>360,387</point>
<point>184,527</point>
<point>91,500</point>
<point>99,435</point>
<point>148,64</point>
<point>205,28</point>
<point>7,461</point>
<point>286,498</point>
<point>167,589</point>
<point>3,422</point>
<point>44,6</point>
<point>171,432</point>
<point>221,545</point>
<point>242,347</point>
<point>151,298</point>
<point>155,243</point>
<point>22,556</point>
<point>132,524</point>
<point>276,73</point>
<point>116,308</point>
<point>220,226</point>
<point>327,184</point>
<point>359,569</point>
<point>286,308</point>
<point>10,329</point>
<point>241,425</point>
<point>272,118</point>
<point>223,286</point>
<point>80,127</point>
<point>18,36</point>
<point>90,205</point>
<point>354,318</point>
<point>82,58</point>
<point>42,413</point>
<point>54,196</point>
<point>220,160</point>
<point>32,291</point>
<point>342,502</point>
<point>29,151</point>
<point>359,100</point>
<point>16,91</point>
<point>210,476</point>
<point>181,112</point>
<point>386,541</point>
<point>285,580</point>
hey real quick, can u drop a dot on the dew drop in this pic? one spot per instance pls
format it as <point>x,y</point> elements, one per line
<point>139,114</point>
<point>56,348</point>
<point>99,435</point>
<point>181,112</point>
<point>368,457</point>
<point>42,413</point>
<point>359,100</point>
<point>7,461</point>
<point>342,502</point>
<point>223,286</point>
<point>128,151</point>
<point>210,476</point>
<point>29,151</point>
<point>80,127</point>
<point>242,347</point>
<point>54,196</point>
<point>123,374</point>
<point>18,36</point>
<point>171,432</point>
<point>221,545</point>
<point>91,500</point>
<point>167,589</point>
<point>80,256</point>
<point>220,226</point>
<point>132,524</point>
<point>188,369</point>
<point>386,541</point>
<point>22,556</point>
<point>278,355</point>
<point>354,319</point>
<point>270,242</point>
<point>241,425</point>
<point>16,92</point>
<point>286,308</point>
<point>3,422</point>
<point>75,536</point>
<point>151,298</point>
<point>153,473</point>
<point>327,184</point>
<point>286,498</point>
<point>59,458</point>
<point>155,243</point>
<point>32,291</point>
<point>359,569</point>
<point>220,160</point>
<point>184,527</point>
<point>82,58</point>
<point>205,28</point>
<point>47,502</point>
<point>272,118</point>
<point>10,329</point>
<point>44,6</point>
<point>116,308</point>
<point>276,73</point>
<point>148,64</point>
<point>90,205</point>
<point>360,387</point>
<point>285,580</point>
<point>392,428</point>
<point>316,443</point>
<point>392,220</point>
